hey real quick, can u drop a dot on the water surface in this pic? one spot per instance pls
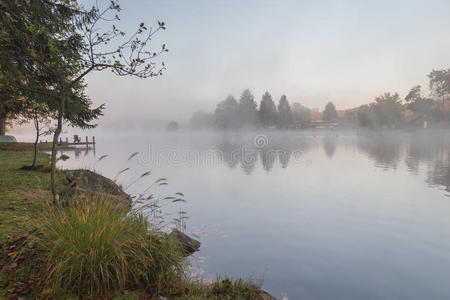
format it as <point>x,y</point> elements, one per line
<point>315,216</point>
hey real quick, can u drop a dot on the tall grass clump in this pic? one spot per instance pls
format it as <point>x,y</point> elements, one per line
<point>93,248</point>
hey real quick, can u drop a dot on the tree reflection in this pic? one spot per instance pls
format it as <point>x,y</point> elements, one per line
<point>439,171</point>
<point>421,149</point>
<point>329,145</point>
<point>439,174</point>
<point>267,158</point>
<point>248,158</point>
<point>247,154</point>
<point>228,154</point>
<point>387,151</point>
<point>427,149</point>
<point>384,150</point>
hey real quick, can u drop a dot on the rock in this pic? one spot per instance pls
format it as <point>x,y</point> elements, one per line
<point>7,139</point>
<point>263,295</point>
<point>188,244</point>
<point>92,184</point>
<point>63,157</point>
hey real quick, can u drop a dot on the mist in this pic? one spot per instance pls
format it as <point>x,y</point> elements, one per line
<point>225,149</point>
<point>346,52</point>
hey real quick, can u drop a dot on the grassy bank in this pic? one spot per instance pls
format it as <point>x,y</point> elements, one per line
<point>87,249</point>
<point>22,192</point>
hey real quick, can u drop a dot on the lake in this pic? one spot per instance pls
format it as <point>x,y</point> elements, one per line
<point>317,215</point>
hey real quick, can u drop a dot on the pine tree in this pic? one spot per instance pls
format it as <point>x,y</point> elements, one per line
<point>248,114</point>
<point>284,113</point>
<point>267,110</point>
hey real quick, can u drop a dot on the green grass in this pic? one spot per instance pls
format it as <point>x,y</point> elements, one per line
<point>22,192</point>
<point>94,248</point>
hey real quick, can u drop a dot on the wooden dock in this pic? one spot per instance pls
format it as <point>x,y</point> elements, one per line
<point>66,142</point>
<point>79,143</point>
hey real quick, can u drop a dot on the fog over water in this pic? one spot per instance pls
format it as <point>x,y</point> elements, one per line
<point>347,52</point>
<point>315,214</point>
<point>310,139</point>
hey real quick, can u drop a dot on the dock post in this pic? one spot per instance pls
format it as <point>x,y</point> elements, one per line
<point>60,140</point>
<point>67,140</point>
<point>87,142</point>
<point>93,141</point>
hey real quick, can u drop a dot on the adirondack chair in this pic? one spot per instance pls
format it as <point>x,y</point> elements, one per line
<point>76,138</point>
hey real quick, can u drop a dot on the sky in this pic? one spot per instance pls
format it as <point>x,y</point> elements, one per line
<point>347,52</point>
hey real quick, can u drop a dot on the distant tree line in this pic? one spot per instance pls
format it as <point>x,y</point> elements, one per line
<point>245,113</point>
<point>388,110</point>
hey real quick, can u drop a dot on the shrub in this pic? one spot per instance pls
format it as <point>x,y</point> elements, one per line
<point>93,248</point>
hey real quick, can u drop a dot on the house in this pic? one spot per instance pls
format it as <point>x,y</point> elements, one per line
<point>321,124</point>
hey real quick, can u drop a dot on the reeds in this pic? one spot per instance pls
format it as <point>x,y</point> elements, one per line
<point>93,248</point>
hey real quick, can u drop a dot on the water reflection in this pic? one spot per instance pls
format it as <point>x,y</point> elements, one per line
<point>387,151</point>
<point>418,150</point>
<point>329,145</point>
<point>384,150</point>
<point>228,153</point>
<point>78,152</point>
<point>248,154</point>
<point>418,153</point>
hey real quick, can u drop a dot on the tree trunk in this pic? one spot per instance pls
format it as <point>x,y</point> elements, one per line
<point>2,122</point>
<point>55,142</point>
<point>36,125</point>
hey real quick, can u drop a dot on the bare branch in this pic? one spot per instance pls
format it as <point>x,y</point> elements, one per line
<point>131,57</point>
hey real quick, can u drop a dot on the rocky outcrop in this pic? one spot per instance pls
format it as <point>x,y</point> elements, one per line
<point>92,184</point>
<point>263,295</point>
<point>188,245</point>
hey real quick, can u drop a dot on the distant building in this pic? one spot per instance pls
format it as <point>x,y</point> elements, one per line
<point>321,124</point>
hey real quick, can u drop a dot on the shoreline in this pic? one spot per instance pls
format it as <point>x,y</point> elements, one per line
<point>16,197</point>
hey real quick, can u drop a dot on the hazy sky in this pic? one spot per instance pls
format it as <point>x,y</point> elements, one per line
<point>347,52</point>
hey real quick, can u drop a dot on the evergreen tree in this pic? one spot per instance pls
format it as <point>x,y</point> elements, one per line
<point>248,114</point>
<point>37,41</point>
<point>284,113</point>
<point>59,43</point>
<point>267,110</point>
